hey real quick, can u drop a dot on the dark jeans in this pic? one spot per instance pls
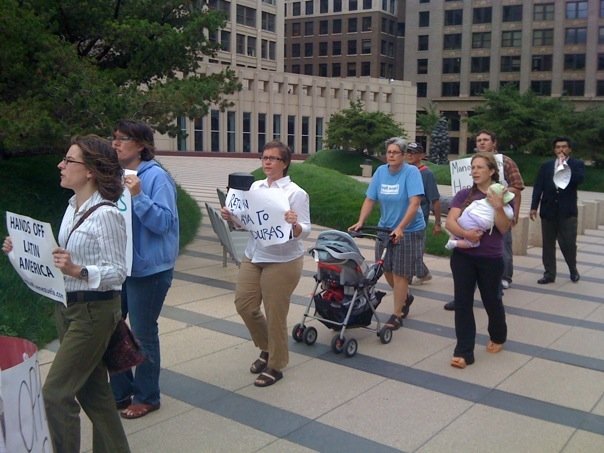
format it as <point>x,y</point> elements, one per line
<point>508,257</point>
<point>565,231</point>
<point>142,300</point>
<point>468,272</point>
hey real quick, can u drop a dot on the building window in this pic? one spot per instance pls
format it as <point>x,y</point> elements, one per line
<point>365,68</point>
<point>231,129</point>
<point>601,62</point>
<point>352,25</point>
<point>198,134</point>
<point>240,44</point>
<point>309,29</point>
<point>451,65</point>
<point>296,50</point>
<point>308,69</point>
<point>367,4</point>
<point>601,35</point>
<point>600,85</point>
<point>422,66</point>
<point>291,131</point>
<point>576,10</point>
<point>296,69</point>
<point>575,35</point>
<point>366,46</point>
<point>336,70</point>
<point>308,50</point>
<point>510,83</point>
<point>480,64</point>
<point>296,9</point>
<point>510,63</point>
<point>337,25</point>
<point>511,38</point>
<point>543,11</point>
<point>482,15</point>
<point>324,6</point>
<point>336,48</point>
<point>323,48</point>
<point>247,132</point>
<point>512,13</point>
<point>323,27</point>
<point>351,69</point>
<point>353,5</point>
<point>452,41</point>
<point>478,88</point>
<point>573,87</point>
<point>322,70</point>
<point>543,37</point>
<point>574,61</point>
<point>296,29</point>
<point>337,6</point>
<point>450,89</point>
<point>181,143</point>
<point>215,130</point>
<point>277,127</point>
<point>453,16</point>
<point>422,42</point>
<point>453,119</point>
<point>318,134</point>
<point>308,7</point>
<point>601,13</point>
<point>541,87</point>
<point>424,18</point>
<point>422,89</point>
<point>261,131</point>
<point>272,48</point>
<point>366,23</point>
<point>305,134</point>
<point>481,40</point>
<point>352,47</point>
<point>225,40</point>
<point>251,46</point>
<point>268,21</point>
<point>246,16</point>
<point>541,63</point>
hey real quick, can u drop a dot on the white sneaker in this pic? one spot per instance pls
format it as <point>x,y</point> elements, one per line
<point>416,281</point>
<point>505,284</point>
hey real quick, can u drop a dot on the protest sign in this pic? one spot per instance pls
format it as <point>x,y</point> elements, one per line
<point>24,427</point>
<point>33,243</point>
<point>262,213</point>
<point>461,173</point>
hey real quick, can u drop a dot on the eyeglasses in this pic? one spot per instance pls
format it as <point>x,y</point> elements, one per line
<point>122,138</point>
<point>68,160</point>
<point>270,159</point>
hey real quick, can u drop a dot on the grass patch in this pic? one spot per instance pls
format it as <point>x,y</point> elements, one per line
<point>30,186</point>
<point>345,162</point>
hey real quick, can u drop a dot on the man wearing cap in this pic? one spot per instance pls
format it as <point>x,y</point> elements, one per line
<point>431,199</point>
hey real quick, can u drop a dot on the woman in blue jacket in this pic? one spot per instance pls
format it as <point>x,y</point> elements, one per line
<point>155,248</point>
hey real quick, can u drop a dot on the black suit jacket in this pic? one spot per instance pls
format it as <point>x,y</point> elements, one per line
<point>555,202</point>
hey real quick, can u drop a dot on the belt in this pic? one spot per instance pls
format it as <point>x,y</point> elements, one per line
<point>89,296</point>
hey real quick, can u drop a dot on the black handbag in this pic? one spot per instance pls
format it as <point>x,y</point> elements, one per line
<point>123,351</point>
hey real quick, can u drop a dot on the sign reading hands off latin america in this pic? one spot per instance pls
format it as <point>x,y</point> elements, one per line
<point>262,213</point>
<point>33,243</point>
<point>461,173</point>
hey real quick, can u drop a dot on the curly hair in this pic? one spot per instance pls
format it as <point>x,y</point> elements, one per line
<point>101,160</point>
<point>284,151</point>
<point>141,133</point>
<point>492,165</point>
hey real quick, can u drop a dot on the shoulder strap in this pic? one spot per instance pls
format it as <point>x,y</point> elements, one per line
<point>85,216</point>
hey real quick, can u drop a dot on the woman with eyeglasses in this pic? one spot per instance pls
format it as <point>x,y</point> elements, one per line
<point>398,188</point>
<point>155,248</point>
<point>269,274</point>
<point>92,258</point>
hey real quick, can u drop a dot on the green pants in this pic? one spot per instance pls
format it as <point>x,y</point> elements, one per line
<point>78,372</point>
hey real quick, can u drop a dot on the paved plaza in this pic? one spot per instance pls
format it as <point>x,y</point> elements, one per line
<point>543,393</point>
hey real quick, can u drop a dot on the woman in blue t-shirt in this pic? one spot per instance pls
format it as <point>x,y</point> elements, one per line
<point>398,189</point>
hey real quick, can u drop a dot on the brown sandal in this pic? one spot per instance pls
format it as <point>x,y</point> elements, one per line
<point>260,364</point>
<point>268,377</point>
<point>138,410</point>
<point>394,322</point>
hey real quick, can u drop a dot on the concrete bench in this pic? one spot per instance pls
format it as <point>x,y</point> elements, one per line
<point>233,242</point>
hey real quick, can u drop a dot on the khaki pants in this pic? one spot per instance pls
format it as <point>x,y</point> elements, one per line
<point>273,285</point>
<point>78,371</point>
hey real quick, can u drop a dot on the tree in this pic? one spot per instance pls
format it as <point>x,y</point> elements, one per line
<point>74,66</point>
<point>441,145</point>
<point>357,130</point>
<point>427,120</point>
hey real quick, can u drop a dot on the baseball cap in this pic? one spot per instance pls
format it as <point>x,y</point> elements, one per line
<point>415,148</point>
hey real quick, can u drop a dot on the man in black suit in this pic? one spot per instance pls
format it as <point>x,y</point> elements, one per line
<point>556,190</point>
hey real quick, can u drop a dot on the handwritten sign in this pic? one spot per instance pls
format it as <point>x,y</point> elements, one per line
<point>461,173</point>
<point>262,213</point>
<point>33,243</point>
<point>22,407</point>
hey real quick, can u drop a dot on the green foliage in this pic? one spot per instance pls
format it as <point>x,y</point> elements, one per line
<point>345,162</point>
<point>79,65</point>
<point>354,129</point>
<point>427,120</point>
<point>31,187</point>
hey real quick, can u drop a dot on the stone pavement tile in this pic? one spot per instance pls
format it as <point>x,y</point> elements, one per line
<point>545,380</point>
<point>532,331</point>
<point>517,296</point>
<point>585,342</point>
<point>585,442</point>
<point>314,388</point>
<point>190,292</point>
<point>598,314</point>
<point>217,306</point>
<point>599,408</point>
<point>563,306</point>
<point>198,431</point>
<point>281,446</point>
<point>483,429</point>
<point>396,414</point>
<point>167,325</point>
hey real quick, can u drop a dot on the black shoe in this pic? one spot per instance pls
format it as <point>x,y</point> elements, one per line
<point>408,302</point>
<point>450,306</point>
<point>575,277</point>
<point>546,280</point>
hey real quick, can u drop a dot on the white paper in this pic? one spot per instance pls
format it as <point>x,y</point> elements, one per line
<point>461,173</point>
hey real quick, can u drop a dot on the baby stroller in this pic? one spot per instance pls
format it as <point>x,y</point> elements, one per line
<point>344,295</point>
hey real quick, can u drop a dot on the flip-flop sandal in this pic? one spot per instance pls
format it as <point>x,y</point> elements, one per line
<point>494,348</point>
<point>268,377</point>
<point>408,302</point>
<point>394,322</point>
<point>138,410</point>
<point>260,364</point>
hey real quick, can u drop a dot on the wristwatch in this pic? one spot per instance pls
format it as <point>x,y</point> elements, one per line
<point>83,274</point>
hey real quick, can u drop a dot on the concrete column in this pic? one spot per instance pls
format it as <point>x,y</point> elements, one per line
<point>534,235</point>
<point>520,236</point>
<point>580,219</point>
<point>590,215</point>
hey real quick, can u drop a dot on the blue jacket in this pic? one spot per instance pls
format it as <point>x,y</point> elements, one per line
<point>154,221</point>
<point>557,203</point>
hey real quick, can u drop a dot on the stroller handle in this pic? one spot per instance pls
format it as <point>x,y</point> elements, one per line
<point>369,232</point>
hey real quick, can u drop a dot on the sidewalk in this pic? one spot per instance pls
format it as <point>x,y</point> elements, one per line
<point>543,393</point>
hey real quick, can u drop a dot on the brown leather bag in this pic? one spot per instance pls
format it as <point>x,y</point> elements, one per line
<point>123,351</point>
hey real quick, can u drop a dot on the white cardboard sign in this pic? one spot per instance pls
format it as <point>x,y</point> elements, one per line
<point>461,173</point>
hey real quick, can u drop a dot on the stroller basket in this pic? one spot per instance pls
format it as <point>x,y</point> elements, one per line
<point>333,306</point>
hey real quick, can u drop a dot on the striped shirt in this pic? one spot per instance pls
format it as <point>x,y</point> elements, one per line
<point>99,244</point>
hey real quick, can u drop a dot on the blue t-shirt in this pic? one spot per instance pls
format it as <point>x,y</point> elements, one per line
<point>393,191</point>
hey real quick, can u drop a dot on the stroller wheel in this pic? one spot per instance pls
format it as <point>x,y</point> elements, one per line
<point>351,347</point>
<point>385,335</point>
<point>298,332</point>
<point>310,335</point>
<point>337,344</point>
